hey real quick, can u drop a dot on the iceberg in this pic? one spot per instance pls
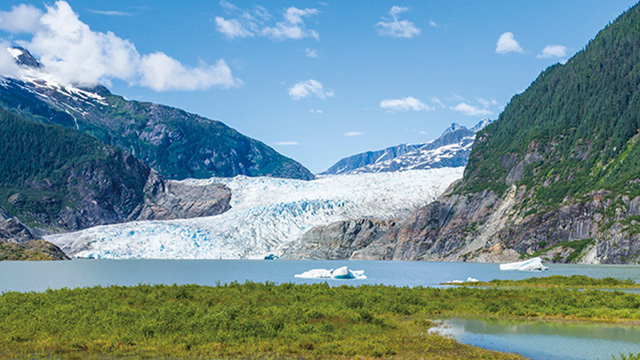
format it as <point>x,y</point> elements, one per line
<point>469,279</point>
<point>534,264</point>
<point>341,273</point>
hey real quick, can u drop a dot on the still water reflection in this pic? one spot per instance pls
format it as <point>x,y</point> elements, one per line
<point>546,340</point>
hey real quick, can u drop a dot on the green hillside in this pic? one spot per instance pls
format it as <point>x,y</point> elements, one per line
<point>60,178</point>
<point>575,129</point>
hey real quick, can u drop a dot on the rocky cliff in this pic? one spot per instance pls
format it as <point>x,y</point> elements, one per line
<point>337,241</point>
<point>167,200</point>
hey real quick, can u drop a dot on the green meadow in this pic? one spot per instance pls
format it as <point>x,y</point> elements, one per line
<point>287,321</point>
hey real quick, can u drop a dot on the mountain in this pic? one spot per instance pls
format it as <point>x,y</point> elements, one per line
<point>267,216</point>
<point>177,144</point>
<point>557,175</point>
<point>451,149</point>
<point>56,178</point>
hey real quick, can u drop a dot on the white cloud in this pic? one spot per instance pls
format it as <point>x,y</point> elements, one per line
<point>74,54</point>
<point>470,110</point>
<point>110,12</point>
<point>307,88</point>
<point>507,43</point>
<point>255,23</point>
<point>437,101</point>
<point>405,104</point>
<point>8,64</point>
<point>312,53</point>
<point>316,111</point>
<point>161,72</point>
<point>232,28</point>
<point>550,51</point>
<point>397,28</point>
<point>293,26</point>
<point>286,143</point>
<point>486,103</point>
<point>353,133</point>
<point>21,19</point>
<point>433,23</point>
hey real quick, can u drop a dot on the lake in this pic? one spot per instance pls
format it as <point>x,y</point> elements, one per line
<point>538,340</point>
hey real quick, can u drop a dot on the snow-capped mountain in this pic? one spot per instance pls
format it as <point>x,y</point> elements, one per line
<point>451,149</point>
<point>267,215</point>
<point>173,142</point>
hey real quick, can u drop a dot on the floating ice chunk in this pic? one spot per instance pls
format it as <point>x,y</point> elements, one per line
<point>340,273</point>
<point>469,279</point>
<point>534,264</point>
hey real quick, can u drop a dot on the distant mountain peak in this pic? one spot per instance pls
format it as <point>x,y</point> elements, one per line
<point>481,125</point>
<point>453,127</point>
<point>451,149</point>
<point>24,57</point>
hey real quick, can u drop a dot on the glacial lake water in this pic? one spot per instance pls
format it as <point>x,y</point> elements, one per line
<point>537,340</point>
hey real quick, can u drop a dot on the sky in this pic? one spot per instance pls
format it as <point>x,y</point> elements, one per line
<point>316,80</point>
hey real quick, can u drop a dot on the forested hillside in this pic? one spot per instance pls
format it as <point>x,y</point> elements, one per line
<point>60,178</point>
<point>557,175</point>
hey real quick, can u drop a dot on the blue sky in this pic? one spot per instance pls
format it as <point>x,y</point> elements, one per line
<point>317,80</point>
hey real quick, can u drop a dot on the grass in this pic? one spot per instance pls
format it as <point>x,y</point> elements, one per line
<point>557,281</point>
<point>276,321</point>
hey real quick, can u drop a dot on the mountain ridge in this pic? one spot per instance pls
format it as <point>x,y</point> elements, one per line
<point>174,142</point>
<point>429,155</point>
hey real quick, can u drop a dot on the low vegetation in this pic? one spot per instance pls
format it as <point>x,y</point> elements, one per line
<point>277,321</point>
<point>557,281</point>
<point>31,250</point>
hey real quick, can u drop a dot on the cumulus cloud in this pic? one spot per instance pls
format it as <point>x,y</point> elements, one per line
<point>507,43</point>
<point>232,28</point>
<point>293,26</point>
<point>307,88</point>
<point>353,133</point>
<point>549,51</point>
<point>397,28</point>
<point>21,19</point>
<point>316,111</point>
<point>433,23</point>
<point>74,54</point>
<point>286,143</point>
<point>258,22</point>
<point>8,64</point>
<point>161,72</point>
<point>471,110</point>
<point>405,104</point>
<point>312,53</point>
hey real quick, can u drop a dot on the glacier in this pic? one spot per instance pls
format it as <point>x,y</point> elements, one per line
<point>267,216</point>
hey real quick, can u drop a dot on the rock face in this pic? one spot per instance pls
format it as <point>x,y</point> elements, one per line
<point>58,179</point>
<point>12,228</point>
<point>18,243</point>
<point>557,175</point>
<point>167,200</point>
<point>339,240</point>
<point>177,144</point>
<point>451,149</point>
